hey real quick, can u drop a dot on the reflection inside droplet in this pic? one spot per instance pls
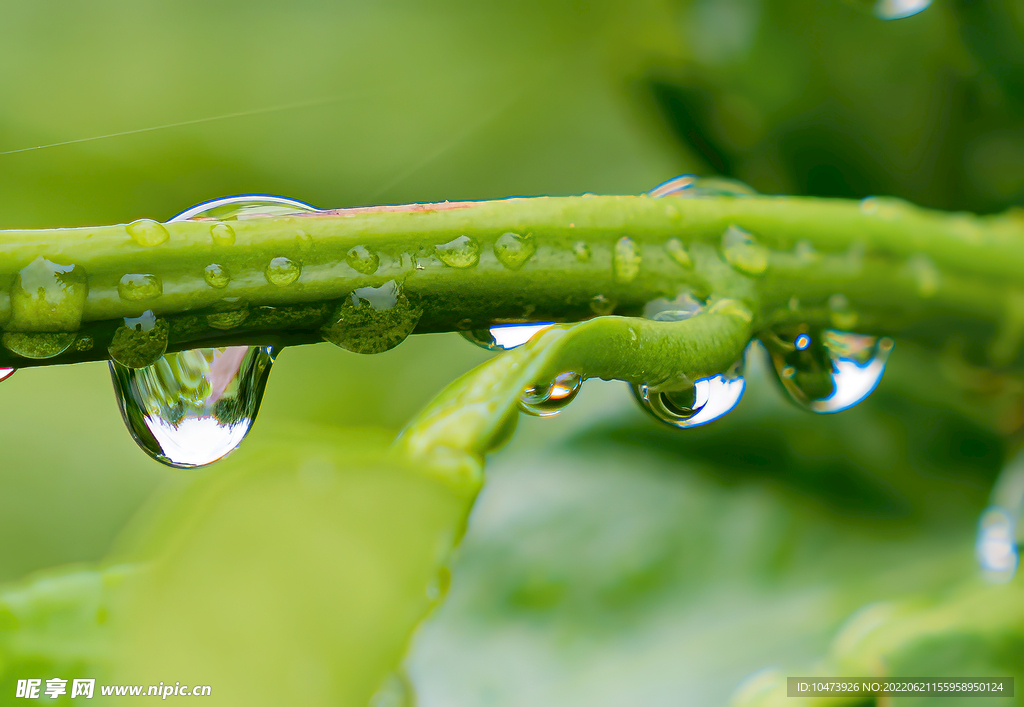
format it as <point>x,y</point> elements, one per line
<point>503,337</point>
<point>707,400</point>
<point>192,408</point>
<point>996,545</point>
<point>6,373</point>
<point>898,9</point>
<point>551,399</point>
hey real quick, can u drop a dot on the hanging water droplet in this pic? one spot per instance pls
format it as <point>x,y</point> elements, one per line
<point>743,251</point>
<point>139,287</point>
<point>682,307</point>
<point>222,234</point>
<point>513,250</point>
<point>191,408</point>
<point>625,260</point>
<point>140,341</point>
<point>601,305</point>
<point>690,186</point>
<point>47,296</point>
<point>216,276</point>
<point>705,401</point>
<point>582,251</point>
<point>828,371</point>
<point>38,344</point>
<point>227,320</point>
<point>550,399</point>
<point>243,207</point>
<point>6,373</point>
<point>462,252</point>
<point>996,546</point>
<point>282,271</point>
<point>373,319</point>
<point>147,232</point>
<point>503,337</point>
<point>898,9</point>
<point>677,251</point>
<point>363,260</point>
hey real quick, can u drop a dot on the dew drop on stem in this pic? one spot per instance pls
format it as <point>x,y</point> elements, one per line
<point>705,401</point>
<point>690,186</point>
<point>545,400</point>
<point>503,337</point>
<point>191,408</point>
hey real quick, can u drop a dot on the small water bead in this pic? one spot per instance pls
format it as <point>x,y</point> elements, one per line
<point>373,319</point>
<point>677,251</point>
<point>147,232</point>
<point>828,371</point>
<point>898,9</point>
<point>626,260</point>
<point>216,276</point>
<point>363,260</point>
<point>996,547</point>
<point>6,373</point>
<point>684,306</point>
<point>601,305</point>
<point>690,186</point>
<point>550,399</point>
<point>805,251</point>
<point>222,234</point>
<point>503,337</point>
<point>38,345</point>
<point>462,252</point>
<point>282,271</point>
<point>513,250</point>
<point>139,287</point>
<point>48,296</point>
<point>227,320</point>
<point>140,341</point>
<point>743,251</point>
<point>582,252</point>
<point>243,207</point>
<point>192,408</point>
<point>705,401</point>
<point>926,276</point>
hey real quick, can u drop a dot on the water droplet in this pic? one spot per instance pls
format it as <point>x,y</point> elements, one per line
<point>677,251</point>
<point>503,337</point>
<point>6,373</point>
<point>243,207</point>
<point>690,186</point>
<point>841,314</point>
<point>363,260</point>
<point>227,320</point>
<point>898,9</point>
<point>191,408</point>
<point>222,234</point>
<point>139,287</point>
<point>601,305</point>
<point>147,232</point>
<point>805,251</point>
<point>47,296</point>
<point>461,252</point>
<point>582,251</point>
<point>996,545</point>
<point>373,319</point>
<point>38,344</point>
<point>828,371</point>
<point>513,250</point>
<point>743,251</point>
<point>140,341</point>
<point>626,260</point>
<point>216,276</point>
<point>925,274</point>
<point>682,307</point>
<point>705,401</point>
<point>551,398</point>
<point>282,271</point>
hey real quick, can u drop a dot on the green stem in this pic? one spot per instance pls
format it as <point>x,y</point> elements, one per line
<point>899,267</point>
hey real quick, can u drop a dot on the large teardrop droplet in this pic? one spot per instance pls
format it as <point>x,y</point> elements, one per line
<point>503,337</point>
<point>243,207</point>
<point>828,371</point>
<point>690,186</point>
<point>551,399</point>
<point>707,400</point>
<point>192,408</point>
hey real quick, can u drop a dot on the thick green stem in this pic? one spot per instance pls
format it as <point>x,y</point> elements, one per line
<point>898,268</point>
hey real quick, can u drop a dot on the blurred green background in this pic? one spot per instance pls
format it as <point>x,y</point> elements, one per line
<point>608,561</point>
